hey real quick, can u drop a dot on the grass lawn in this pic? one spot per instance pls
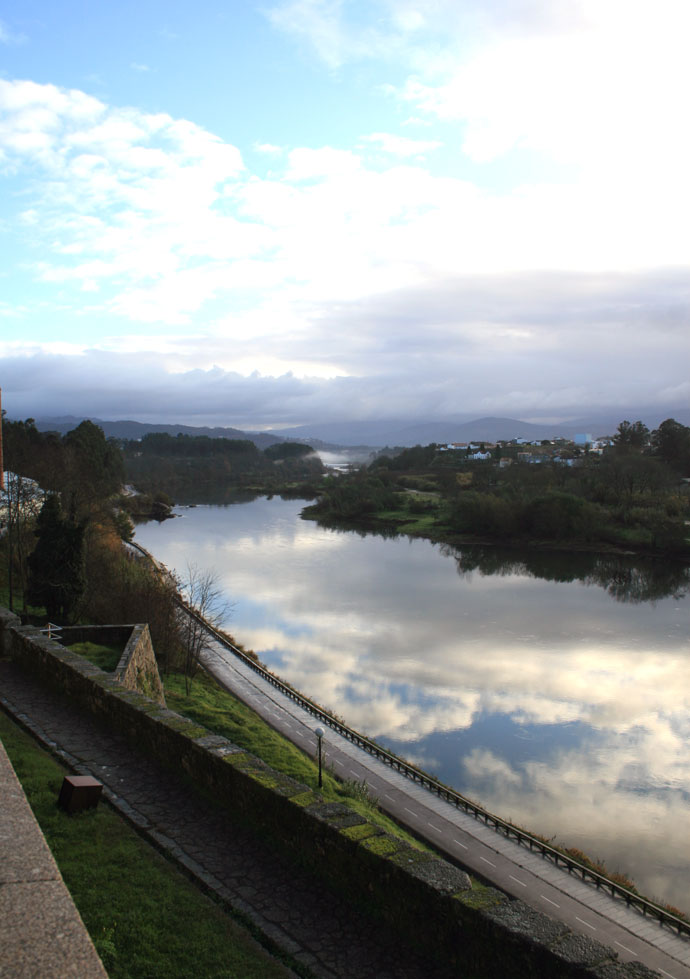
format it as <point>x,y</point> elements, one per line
<point>147,920</point>
<point>107,657</point>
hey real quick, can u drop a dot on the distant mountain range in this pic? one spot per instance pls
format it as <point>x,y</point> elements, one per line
<point>330,436</point>
<point>407,432</point>
<point>137,430</point>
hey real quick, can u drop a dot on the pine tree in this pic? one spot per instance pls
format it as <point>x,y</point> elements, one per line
<point>56,566</point>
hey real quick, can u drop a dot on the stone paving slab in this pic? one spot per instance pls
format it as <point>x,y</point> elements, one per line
<point>41,933</point>
<point>314,925</point>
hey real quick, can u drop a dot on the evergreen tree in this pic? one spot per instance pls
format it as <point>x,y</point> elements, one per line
<point>671,443</point>
<point>94,469</point>
<point>56,566</point>
<point>631,437</point>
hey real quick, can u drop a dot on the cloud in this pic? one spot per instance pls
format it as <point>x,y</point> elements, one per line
<point>402,145</point>
<point>270,148</point>
<point>8,36</point>
<point>334,32</point>
<point>592,92</point>
<point>506,344</point>
<point>376,286</point>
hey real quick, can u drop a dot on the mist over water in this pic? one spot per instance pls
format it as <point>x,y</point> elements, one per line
<point>551,688</point>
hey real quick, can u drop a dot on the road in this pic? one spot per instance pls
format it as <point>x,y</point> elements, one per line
<point>493,858</point>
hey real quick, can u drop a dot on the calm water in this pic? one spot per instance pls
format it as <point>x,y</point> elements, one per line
<point>562,705</point>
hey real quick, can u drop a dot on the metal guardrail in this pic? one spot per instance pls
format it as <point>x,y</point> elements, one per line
<point>443,791</point>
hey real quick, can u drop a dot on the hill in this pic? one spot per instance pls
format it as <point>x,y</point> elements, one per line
<point>137,430</point>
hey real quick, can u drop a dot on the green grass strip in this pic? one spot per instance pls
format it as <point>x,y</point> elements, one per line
<point>103,656</point>
<point>222,713</point>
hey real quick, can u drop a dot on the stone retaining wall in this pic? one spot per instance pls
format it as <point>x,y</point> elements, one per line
<point>137,668</point>
<point>429,901</point>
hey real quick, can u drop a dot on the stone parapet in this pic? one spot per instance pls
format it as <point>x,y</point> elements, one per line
<point>137,668</point>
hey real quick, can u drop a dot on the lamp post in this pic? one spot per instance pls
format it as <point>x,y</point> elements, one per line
<point>319,732</point>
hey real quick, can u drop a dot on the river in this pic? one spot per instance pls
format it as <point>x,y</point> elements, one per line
<point>552,689</point>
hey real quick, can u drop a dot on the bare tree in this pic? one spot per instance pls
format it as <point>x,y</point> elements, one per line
<point>205,605</point>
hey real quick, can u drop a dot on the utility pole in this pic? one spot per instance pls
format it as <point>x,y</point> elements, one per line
<point>2,465</point>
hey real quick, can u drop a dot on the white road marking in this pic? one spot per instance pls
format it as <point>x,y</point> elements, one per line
<point>435,828</point>
<point>410,811</point>
<point>386,796</point>
<point>585,923</point>
<point>460,844</point>
<point>353,773</point>
<point>549,901</point>
<point>489,862</point>
<point>665,973</point>
<point>626,948</point>
<point>520,882</point>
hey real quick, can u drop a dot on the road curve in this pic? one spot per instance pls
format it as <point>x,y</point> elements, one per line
<point>492,857</point>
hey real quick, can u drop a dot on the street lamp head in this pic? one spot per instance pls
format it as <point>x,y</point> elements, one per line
<point>319,732</point>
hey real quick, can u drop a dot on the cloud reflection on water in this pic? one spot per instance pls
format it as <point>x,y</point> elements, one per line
<point>546,700</point>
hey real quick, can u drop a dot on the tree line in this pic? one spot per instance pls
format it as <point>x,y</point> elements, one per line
<point>632,496</point>
<point>65,519</point>
<point>199,469</point>
<point>53,508</point>
<point>62,547</point>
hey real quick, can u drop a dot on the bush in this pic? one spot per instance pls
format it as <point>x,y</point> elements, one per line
<point>485,513</point>
<point>560,516</point>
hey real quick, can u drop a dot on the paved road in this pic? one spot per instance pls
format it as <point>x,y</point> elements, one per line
<point>492,857</point>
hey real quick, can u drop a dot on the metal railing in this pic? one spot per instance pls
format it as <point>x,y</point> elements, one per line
<point>648,908</point>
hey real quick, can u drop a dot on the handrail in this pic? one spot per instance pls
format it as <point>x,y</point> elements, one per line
<point>443,791</point>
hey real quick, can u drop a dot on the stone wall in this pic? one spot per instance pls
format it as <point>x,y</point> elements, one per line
<point>137,668</point>
<point>430,902</point>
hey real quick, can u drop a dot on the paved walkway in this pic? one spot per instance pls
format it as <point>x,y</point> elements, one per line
<point>41,933</point>
<point>503,862</point>
<point>297,912</point>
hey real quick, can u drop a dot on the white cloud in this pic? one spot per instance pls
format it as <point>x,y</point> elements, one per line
<point>402,145</point>
<point>323,163</point>
<point>318,21</point>
<point>482,763</point>
<point>604,90</point>
<point>595,90</point>
<point>415,288</point>
<point>8,36</point>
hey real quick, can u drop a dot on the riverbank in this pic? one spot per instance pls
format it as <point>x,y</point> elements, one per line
<point>496,671</point>
<point>400,523</point>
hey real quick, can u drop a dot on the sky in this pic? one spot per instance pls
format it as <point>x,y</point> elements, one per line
<point>271,214</point>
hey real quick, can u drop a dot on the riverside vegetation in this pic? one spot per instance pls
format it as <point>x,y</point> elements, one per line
<point>630,498</point>
<point>199,469</point>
